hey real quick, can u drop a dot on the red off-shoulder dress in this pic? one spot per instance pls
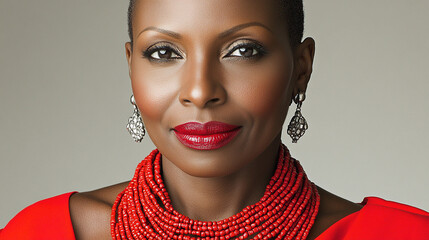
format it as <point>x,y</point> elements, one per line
<point>378,219</point>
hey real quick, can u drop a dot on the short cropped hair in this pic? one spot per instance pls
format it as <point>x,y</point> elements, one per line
<point>294,13</point>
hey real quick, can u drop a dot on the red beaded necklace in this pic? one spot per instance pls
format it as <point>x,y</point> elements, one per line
<point>286,211</point>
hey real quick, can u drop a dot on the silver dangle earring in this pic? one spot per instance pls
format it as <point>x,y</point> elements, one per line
<point>135,123</point>
<point>298,125</point>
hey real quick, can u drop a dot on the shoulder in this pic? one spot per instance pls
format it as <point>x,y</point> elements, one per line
<point>68,216</point>
<point>393,215</point>
<point>381,219</point>
<point>390,220</point>
<point>374,218</point>
<point>90,212</point>
<point>46,219</point>
<point>332,209</point>
<point>393,206</point>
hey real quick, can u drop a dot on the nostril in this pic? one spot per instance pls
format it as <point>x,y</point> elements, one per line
<point>201,102</point>
<point>212,101</point>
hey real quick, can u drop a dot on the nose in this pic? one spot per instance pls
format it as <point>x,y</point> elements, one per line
<point>201,85</point>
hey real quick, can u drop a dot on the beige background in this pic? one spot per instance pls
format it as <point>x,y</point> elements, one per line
<point>64,91</point>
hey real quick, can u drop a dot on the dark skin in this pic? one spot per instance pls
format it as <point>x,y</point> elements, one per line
<point>184,70</point>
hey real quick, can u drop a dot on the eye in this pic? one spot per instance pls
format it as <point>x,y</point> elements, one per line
<point>246,49</point>
<point>162,53</point>
<point>244,52</point>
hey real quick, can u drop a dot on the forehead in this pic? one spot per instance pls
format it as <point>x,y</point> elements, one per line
<point>204,16</point>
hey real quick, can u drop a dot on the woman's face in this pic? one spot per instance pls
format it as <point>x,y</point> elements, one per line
<point>212,60</point>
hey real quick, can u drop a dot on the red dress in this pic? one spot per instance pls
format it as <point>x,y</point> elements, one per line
<point>378,219</point>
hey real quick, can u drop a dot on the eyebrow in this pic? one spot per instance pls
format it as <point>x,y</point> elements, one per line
<point>221,35</point>
<point>163,31</point>
<point>242,26</point>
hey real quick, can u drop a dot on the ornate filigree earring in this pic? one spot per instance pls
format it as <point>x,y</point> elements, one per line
<point>298,125</point>
<point>135,124</point>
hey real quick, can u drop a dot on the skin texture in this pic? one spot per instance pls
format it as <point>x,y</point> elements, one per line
<point>196,74</point>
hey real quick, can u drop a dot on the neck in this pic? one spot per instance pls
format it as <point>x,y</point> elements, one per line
<point>217,198</point>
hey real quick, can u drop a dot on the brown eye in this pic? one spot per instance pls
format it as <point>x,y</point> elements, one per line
<point>246,49</point>
<point>244,52</point>
<point>164,54</point>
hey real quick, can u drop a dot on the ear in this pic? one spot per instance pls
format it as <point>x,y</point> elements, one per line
<point>304,56</point>
<point>129,53</point>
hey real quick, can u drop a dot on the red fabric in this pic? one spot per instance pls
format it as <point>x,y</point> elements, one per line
<point>44,220</point>
<point>381,219</point>
<point>378,219</point>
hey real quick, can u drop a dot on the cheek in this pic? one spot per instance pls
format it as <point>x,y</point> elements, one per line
<point>154,90</point>
<point>268,97</point>
<point>266,91</point>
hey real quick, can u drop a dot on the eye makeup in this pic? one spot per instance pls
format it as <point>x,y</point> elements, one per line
<point>162,52</point>
<point>242,47</point>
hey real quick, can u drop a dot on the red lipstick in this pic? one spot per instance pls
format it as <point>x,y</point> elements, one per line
<point>207,136</point>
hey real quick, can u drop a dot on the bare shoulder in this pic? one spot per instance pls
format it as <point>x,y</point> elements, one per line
<point>90,212</point>
<point>332,209</point>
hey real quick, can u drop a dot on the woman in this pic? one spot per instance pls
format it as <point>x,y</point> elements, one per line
<point>214,95</point>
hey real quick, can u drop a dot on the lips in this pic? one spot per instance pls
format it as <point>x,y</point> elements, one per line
<point>207,136</point>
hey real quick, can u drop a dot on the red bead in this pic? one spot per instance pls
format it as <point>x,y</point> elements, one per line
<point>287,209</point>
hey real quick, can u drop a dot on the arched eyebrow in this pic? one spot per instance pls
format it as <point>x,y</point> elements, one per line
<point>163,31</point>
<point>240,27</point>
<point>221,35</point>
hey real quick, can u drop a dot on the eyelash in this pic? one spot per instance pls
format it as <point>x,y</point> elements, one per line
<point>153,49</point>
<point>256,46</point>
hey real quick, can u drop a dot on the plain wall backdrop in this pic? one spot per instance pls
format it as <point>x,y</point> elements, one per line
<point>64,100</point>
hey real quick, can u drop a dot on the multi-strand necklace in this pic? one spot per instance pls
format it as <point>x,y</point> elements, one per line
<point>287,209</point>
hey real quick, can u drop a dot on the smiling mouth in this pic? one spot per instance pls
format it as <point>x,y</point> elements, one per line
<point>207,136</point>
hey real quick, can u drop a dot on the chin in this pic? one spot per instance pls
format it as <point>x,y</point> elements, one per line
<point>207,164</point>
<point>211,172</point>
